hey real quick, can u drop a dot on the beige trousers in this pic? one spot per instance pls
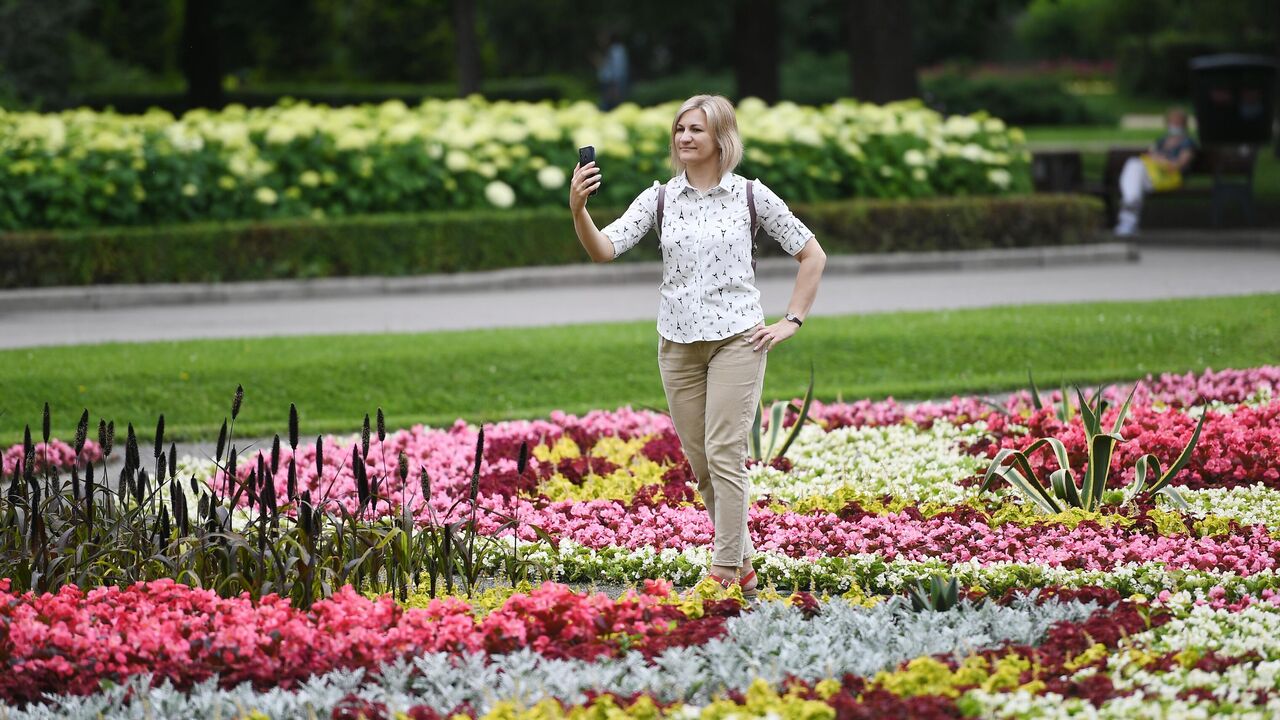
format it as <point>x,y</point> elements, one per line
<point>713,388</point>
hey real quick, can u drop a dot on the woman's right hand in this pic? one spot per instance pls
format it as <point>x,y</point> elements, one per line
<point>585,179</point>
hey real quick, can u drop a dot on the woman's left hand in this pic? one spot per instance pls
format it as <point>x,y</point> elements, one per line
<point>766,337</point>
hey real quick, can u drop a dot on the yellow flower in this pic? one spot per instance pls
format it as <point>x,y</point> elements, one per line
<point>309,178</point>
<point>265,195</point>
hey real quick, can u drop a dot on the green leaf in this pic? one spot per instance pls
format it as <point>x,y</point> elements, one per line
<point>775,427</point>
<point>1147,466</point>
<point>1064,486</point>
<point>1175,497</point>
<point>994,468</point>
<point>1035,392</point>
<point>1184,457</point>
<point>801,415</point>
<point>1124,411</point>
<point>1087,417</point>
<point>1101,448</point>
<point>1031,490</point>
<point>753,441</point>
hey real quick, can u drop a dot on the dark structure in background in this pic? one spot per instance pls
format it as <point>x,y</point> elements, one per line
<point>1234,98</point>
<point>757,52</point>
<point>881,61</point>
<point>201,55</point>
<point>132,54</point>
<point>467,46</point>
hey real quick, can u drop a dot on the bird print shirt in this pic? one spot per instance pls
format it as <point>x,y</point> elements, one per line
<point>708,289</point>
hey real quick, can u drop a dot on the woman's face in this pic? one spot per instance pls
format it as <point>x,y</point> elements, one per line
<point>694,145</point>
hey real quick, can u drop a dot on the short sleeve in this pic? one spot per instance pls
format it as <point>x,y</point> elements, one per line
<point>627,230</point>
<point>778,220</point>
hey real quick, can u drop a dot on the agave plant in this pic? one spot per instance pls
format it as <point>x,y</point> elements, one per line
<point>765,453</point>
<point>1061,492</point>
<point>934,594</point>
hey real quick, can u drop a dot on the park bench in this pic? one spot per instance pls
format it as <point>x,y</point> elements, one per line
<point>1230,168</point>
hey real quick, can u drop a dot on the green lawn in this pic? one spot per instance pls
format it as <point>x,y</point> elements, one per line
<point>496,374</point>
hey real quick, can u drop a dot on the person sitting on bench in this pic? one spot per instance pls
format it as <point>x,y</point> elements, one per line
<point>1154,171</point>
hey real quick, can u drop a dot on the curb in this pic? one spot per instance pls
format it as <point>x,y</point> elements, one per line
<point>1251,238</point>
<point>114,296</point>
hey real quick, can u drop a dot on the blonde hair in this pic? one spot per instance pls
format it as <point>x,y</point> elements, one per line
<point>722,123</point>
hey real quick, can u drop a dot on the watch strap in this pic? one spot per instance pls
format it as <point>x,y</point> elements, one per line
<point>794,319</point>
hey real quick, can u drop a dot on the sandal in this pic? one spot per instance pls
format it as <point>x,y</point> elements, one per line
<point>741,582</point>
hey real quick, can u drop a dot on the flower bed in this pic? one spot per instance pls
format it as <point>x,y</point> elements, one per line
<point>1137,609</point>
<point>82,169</point>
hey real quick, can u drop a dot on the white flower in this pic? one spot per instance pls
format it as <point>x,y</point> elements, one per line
<point>913,157</point>
<point>456,160</point>
<point>266,196</point>
<point>919,174</point>
<point>280,134</point>
<point>500,194</point>
<point>309,178</point>
<point>1000,178</point>
<point>551,177</point>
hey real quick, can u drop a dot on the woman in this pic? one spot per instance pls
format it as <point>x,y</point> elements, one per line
<point>712,336</point>
<point>1155,171</point>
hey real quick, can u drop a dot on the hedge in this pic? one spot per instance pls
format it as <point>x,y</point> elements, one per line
<point>84,170</point>
<point>424,243</point>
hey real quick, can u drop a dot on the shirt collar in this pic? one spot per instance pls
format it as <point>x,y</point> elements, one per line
<point>727,182</point>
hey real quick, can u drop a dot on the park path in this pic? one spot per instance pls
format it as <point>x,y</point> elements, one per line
<point>1160,272</point>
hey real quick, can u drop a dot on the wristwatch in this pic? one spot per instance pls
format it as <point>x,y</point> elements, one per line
<point>793,319</point>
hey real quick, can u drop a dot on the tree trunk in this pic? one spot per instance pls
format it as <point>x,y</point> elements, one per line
<point>881,64</point>
<point>757,50</point>
<point>201,63</point>
<point>1275,26</point>
<point>468,49</point>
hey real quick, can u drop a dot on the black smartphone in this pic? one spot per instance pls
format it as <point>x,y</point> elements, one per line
<point>585,155</point>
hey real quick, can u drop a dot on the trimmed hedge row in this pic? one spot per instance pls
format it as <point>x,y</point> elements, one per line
<point>449,242</point>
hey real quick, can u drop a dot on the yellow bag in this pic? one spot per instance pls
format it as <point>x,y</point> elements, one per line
<point>1162,178</point>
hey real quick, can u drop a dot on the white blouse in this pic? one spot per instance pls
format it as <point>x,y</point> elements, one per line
<point>708,287</point>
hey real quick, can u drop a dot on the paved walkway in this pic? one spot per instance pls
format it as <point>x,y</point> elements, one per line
<point>1160,272</point>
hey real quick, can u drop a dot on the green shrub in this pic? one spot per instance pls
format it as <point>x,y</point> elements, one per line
<point>85,169</point>
<point>1157,66</point>
<point>1020,100</point>
<point>448,242</point>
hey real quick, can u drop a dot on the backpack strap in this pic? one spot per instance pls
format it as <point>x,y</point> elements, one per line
<point>662,198</point>
<point>755,225</point>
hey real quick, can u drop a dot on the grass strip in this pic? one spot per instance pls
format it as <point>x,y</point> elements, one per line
<point>490,375</point>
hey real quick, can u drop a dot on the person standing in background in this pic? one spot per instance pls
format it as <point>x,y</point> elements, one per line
<point>612,71</point>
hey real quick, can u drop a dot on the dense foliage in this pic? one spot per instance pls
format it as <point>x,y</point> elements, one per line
<point>78,169</point>
<point>458,241</point>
